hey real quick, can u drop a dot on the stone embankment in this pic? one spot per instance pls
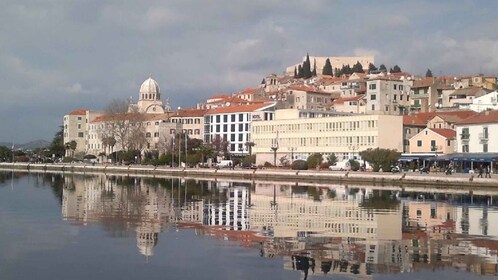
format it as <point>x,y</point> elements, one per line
<point>286,175</point>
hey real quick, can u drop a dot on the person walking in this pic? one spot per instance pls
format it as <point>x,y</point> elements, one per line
<point>488,172</point>
<point>480,171</point>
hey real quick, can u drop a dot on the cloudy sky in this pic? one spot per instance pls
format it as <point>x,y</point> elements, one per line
<point>60,55</point>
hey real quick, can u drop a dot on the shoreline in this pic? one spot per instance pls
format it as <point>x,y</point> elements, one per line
<point>303,176</point>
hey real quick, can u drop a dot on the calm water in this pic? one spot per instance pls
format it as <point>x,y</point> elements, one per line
<point>62,226</point>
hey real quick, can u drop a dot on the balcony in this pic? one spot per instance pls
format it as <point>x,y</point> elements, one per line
<point>483,137</point>
<point>465,137</point>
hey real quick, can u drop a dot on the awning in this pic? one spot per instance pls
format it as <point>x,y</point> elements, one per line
<point>483,157</point>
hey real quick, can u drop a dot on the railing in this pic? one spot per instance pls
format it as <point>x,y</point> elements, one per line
<point>483,137</point>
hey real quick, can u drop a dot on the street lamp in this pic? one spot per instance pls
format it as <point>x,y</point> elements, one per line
<point>435,148</point>
<point>353,148</point>
<point>292,149</point>
<point>274,148</point>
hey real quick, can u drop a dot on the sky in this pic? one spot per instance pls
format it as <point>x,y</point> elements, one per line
<point>61,55</point>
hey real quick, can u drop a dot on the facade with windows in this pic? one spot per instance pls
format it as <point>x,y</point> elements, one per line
<point>478,134</point>
<point>385,96</point>
<point>295,137</point>
<point>76,129</point>
<point>433,140</point>
<point>232,125</point>
<point>191,120</point>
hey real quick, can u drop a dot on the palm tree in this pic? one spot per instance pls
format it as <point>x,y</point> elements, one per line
<point>249,146</point>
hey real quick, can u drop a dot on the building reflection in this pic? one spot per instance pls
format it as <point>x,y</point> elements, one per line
<point>355,231</point>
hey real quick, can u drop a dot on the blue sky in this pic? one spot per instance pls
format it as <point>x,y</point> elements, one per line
<point>60,55</point>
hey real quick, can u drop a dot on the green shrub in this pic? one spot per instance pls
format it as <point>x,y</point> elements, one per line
<point>314,160</point>
<point>355,165</point>
<point>299,164</point>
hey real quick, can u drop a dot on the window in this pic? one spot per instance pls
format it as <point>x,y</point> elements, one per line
<point>80,134</point>
<point>372,86</point>
<point>433,145</point>
<point>485,148</point>
<point>241,117</point>
<point>386,108</point>
<point>79,126</point>
<point>395,86</point>
<point>448,143</point>
<point>79,118</point>
<point>218,118</point>
<point>156,134</point>
<point>373,107</point>
<point>465,148</point>
<point>147,134</point>
<point>419,143</point>
<point>225,118</point>
<point>232,118</point>
<point>232,137</point>
<point>373,97</point>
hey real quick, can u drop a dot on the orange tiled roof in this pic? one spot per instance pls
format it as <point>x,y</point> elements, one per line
<point>191,112</point>
<point>235,109</point>
<point>426,116</point>
<point>248,91</point>
<point>130,116</point>
<point>447,133</point>
<point>470,91</point>
<point>78,112</point>
<point>413,120</point>
<point>345,99</point>
<point>307,89</point>
<point>481,118</point>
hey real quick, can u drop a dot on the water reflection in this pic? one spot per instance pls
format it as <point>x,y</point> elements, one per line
<point>317,230</point>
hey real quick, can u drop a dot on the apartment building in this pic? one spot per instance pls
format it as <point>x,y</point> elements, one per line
<point>478,134</point>
<point>76,129</point>
<point>433,140</point>
<point>386,96</point>
<point>297,137</point>
<point>233,124</point>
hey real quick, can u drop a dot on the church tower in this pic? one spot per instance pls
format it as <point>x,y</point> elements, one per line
<point>149,98</point>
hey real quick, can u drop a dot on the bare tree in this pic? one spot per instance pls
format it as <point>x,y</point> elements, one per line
<point>124,125</point>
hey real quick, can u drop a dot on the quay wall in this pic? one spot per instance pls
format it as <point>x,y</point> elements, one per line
<point>280,175</point>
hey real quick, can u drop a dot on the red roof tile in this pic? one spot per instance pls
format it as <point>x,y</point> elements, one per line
<point>481,118</point>
<point>235,109</point>
<point>448,133</point>
<point>78,112</point>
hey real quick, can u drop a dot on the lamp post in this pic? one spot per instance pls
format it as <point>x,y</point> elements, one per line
<point>353,148</point>
<point>274,148</point>
<point>292,149</point>
<point>435,148</point>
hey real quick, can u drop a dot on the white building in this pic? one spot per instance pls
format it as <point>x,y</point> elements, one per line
<point>297,138</point>
<point>485,102</point>
<point>478,134</point>
<point>233,124</point>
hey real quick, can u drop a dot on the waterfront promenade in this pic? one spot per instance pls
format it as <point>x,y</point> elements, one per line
<point>270,174</point>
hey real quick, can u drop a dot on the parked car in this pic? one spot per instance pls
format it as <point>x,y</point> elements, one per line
<point>225,164</point>
<point>249,166</point>
<point>340,166</point>
<point>395,169</point>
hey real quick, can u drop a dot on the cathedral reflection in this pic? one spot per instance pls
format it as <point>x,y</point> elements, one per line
<point>316,230</point>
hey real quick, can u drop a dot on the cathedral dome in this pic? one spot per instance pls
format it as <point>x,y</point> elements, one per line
<point>149,86</point>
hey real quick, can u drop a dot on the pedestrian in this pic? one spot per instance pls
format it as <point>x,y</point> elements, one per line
<point>488,172</point>
<point>480,171</point>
